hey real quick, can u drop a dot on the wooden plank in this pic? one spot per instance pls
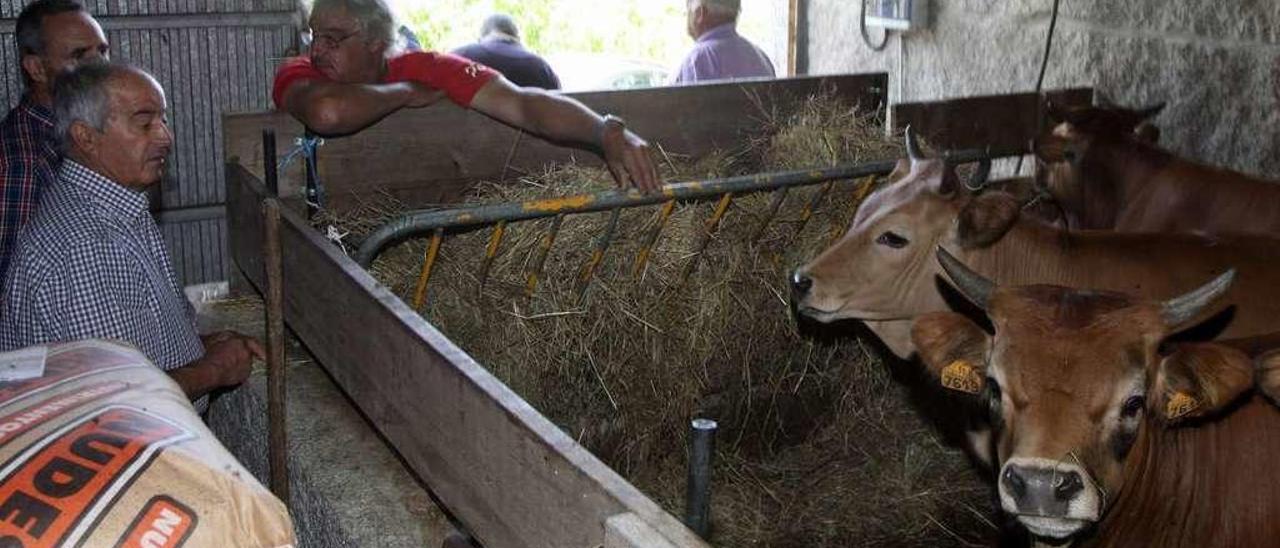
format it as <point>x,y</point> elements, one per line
<point>431,155</point>
<point>998,121</point>
<point>502,468</point>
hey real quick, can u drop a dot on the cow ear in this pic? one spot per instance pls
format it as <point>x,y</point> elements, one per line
<point>1269,375</point>
<point>986,219</point>
<point>1199,379</point>
<point>953,349</point>
<point>1147,133</point>
<point>900,171</point>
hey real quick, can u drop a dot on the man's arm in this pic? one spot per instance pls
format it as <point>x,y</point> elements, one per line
<point>334,108</point>
<point>560,118</point>
<point>227,361</point>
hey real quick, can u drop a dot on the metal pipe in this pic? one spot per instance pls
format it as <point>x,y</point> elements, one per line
<point>428,261</point>
<point>775,204</point>
<point>269,161</point>
<point>495,240</point>
<point>597,255</point>
<point>708,231</point>
<point>642,258</point>
<point>314,191</point>
<point>277,437</point>
<point>544,249</point>
<point>812,205</point>
<point>422,222</point>
<point>702,445</point>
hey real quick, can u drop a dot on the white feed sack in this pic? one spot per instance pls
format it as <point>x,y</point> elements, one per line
<point>102,449</point>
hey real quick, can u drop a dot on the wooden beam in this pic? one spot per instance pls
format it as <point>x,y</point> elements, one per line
<point>433,155</point>
<point>508,473</point>
<point>997,121</point>
<point>793,29</point>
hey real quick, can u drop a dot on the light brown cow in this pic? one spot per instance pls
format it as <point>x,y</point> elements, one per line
<point>1106,177</point>
<point>882,272</point>
<point>1101,438</point>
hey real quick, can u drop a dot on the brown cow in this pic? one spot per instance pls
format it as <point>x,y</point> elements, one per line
<point>882,272</point>
<point>1106,177</point>
<point>1101,439</point>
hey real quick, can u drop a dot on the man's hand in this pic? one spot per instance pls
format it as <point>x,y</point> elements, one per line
<point>561,118</point>
<point>628,157</point>
<point>228,357</point>
<point>228,360</point>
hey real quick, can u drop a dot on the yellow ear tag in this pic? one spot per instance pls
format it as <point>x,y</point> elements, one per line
<point>1180,404</point>
<point>962,376</point>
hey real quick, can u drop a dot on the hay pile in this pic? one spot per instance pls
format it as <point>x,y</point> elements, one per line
<point>817,445</point>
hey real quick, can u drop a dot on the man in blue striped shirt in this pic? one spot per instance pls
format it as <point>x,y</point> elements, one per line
<point>52,36</point>
<point>91,262</point>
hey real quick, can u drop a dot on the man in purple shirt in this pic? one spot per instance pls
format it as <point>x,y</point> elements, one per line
<point>719,53</point>
<point>499,48</point>
<point>52,37</point>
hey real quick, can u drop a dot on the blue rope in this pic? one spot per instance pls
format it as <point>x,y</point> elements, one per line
<point>302,145</point>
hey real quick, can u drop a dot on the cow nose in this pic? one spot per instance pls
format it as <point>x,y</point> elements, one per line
<point>1014,482</point>
<point>1069,485</point>
<point>800,283</point>
<point>1042,491</point>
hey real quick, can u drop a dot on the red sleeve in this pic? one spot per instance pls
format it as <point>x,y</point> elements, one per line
<point>293,70</point>
<point>458,77</point>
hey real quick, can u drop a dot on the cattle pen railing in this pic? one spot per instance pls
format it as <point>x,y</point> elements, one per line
<point>439,222</point>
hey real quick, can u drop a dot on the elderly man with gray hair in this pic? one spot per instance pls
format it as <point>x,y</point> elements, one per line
<point>719,52</point>
<point>355,75</point>
<point>91,262</point>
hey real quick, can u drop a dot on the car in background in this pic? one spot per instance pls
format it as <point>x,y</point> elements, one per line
<point>594,71</point>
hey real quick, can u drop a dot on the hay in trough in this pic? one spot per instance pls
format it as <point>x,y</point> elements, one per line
<point>817,444</point>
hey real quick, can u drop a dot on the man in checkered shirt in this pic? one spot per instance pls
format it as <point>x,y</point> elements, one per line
<point>52,36</point>
<point>91,262</point>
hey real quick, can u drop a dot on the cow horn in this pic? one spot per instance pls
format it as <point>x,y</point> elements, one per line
<point>974,287</point>
<point>913,146</point>
<point>1183,308</point>
<point>1147,113</point>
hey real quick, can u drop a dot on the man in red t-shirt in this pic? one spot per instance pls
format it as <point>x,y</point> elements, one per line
<point>354,77</point>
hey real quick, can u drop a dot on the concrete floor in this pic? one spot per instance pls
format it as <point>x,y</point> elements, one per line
<point>348,488</point>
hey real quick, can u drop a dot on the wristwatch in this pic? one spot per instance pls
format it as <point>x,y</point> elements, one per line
<point>610,120</point>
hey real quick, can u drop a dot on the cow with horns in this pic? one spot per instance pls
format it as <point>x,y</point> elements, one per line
<point>1104,437</point>
<point>1106,175</point>
<point>882,272</point>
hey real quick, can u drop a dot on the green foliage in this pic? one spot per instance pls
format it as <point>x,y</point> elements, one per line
<point>651,30</point>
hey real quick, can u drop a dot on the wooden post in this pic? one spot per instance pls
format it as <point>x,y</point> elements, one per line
<point>278,441</point>
<point>793,32</point>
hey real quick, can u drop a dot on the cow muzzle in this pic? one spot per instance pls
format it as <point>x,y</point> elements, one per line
<point>1052,499</point>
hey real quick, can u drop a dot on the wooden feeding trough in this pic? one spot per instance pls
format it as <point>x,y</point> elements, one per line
<point>509,474</point>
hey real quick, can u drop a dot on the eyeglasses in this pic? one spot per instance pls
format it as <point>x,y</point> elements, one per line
<point>326,41</point>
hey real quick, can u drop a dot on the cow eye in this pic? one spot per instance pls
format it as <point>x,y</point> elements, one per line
<point>892,240</point>
<point>994,397</point>
<point>1133,406</point>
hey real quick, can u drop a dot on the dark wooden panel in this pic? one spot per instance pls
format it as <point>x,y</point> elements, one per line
<point>218,58</point>
<point>502,468</point>
<point>998,121</point>
<point>432,154</point>
<point>117,9</point>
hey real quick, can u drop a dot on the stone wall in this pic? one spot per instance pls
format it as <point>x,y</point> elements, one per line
<point>1216,63</point>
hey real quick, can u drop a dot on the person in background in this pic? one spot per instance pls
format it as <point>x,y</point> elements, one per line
<point>719,52</point>
<point>499,48</point>
<point>91,262</point>
<point>356,74</point>
<point>52,37</point>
